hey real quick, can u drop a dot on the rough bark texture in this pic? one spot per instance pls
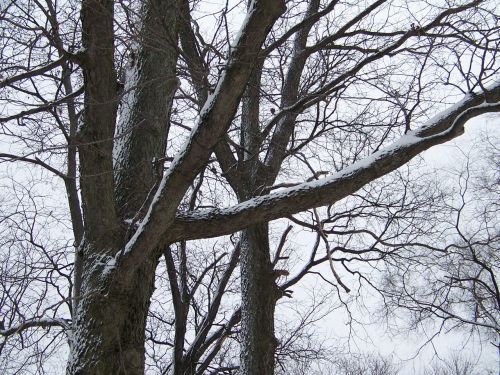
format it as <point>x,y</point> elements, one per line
<point>257,309</point>
<point>98,125</point>
<point>144,117</point>
<point>109,325</point>
<point>109,333</point>
<point>117,282</point>
<point>258,342</point>
<point>258,281</point>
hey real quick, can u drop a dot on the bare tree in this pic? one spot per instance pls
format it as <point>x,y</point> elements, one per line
<point>456,284</point>
<point>456,364</point>
<point>366,364</point>
<point>163,130</point>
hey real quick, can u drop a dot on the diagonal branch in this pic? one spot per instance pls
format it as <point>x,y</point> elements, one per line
<point>34,72</point>
<point>43,108</point>
<point>36,161</point>
<point>215,119</point>
<point>442,128</point>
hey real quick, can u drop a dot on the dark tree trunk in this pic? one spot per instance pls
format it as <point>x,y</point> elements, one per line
<point>144,124</point>
<point>260,293</point>
<point>109,331</point>
<point>258,280</point>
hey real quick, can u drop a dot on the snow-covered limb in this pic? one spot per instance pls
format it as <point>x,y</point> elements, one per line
<point>215,118</point>
<point>442,128</point>
<point>35,323</point>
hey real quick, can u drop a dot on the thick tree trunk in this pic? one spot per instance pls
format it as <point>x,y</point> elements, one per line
<point>144,124</point>
<point>260,293</point>
<point>109,323</point>
<point>109,329</point>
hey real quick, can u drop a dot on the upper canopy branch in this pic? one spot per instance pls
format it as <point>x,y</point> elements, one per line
<point>35,323</point>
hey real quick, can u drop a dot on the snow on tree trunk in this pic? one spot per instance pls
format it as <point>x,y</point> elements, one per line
<point>108,333</point>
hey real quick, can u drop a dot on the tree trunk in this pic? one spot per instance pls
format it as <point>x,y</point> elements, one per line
<point>258,287</point>
<point>260,293</point>
<point>258,280</point>
<point>109,329</point>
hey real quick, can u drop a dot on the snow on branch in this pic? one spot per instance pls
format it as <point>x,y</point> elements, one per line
<point>447,125</point>
<point>214,120</point>
<point>34,323</point>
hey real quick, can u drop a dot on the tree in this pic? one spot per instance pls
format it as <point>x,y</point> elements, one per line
<point>148,119</point>
<point>367,364</point>
<point>461,273</point>
<point>456,365</point>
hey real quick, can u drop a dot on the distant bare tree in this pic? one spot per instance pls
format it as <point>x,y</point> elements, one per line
<point>366,364</point>
<point>456,283</point>
<point>457,364</point>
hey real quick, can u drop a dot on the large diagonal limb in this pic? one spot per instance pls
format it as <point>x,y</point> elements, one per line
<point>215,118</point>
<point>442,128</point>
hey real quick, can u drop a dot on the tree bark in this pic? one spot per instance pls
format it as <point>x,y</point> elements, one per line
<point>258,280</point>
<point>258,287</point>
<point>260,293</point>
<point>95,136</point>
<point>144,123</point>
<point>109,331</point>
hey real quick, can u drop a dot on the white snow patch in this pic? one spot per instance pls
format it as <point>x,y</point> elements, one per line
<point>125,120</point>
<point>445,113</point>
<point>251,10</point>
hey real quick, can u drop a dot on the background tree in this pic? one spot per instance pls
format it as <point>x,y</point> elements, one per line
<point>167,131</point>
<point>461,273</point>
<point>456,365</point>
